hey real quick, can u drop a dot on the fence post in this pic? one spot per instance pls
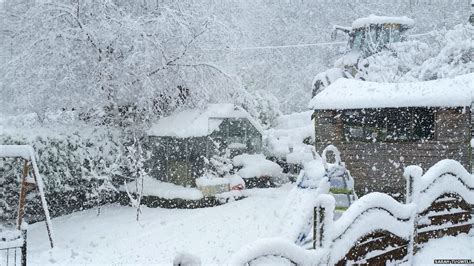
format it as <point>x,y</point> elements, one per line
<point>409,190</point>
<point>319,212</point>
<point>411,172</point>
<point>24,234</point>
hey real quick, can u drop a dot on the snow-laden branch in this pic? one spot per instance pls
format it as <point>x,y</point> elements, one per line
<point>112,56</point>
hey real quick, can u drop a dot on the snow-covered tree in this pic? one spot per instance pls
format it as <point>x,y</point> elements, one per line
<point>101,173</point>
<point>136,158</point>
<point>88,55</point>
<point>287,72</point>
<point>456,57</point>
<point>266,107</point>
<point>448,53</point>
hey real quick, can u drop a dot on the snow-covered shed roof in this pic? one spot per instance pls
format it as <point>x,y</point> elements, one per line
<point>199,122</point>
<point>373,19</point>
<point>358,94</point>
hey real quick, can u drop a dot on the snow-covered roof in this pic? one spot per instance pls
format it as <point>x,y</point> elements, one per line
<point>358,94</point>
<point>373,19</point>
<point>199,122</point>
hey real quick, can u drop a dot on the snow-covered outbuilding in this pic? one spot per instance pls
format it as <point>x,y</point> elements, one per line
<point>181,143</point>
<point>382,127</point>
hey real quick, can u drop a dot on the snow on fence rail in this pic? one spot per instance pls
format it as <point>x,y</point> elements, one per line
<point>379,229</point>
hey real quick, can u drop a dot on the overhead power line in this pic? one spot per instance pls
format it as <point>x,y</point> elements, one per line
<point>276,46</point>
<point>303,45</point>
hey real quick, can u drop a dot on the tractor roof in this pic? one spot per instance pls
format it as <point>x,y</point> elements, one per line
<point>378,20</point>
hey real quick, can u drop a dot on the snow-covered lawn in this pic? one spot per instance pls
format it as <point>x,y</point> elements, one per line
<point>115,237</point>
<point>450,247</point>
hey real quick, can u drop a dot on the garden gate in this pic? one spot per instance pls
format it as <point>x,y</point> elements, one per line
<point>13,246</point>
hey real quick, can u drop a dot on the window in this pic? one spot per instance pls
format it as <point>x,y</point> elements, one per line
<point>357,40</point>
<point>389,125</point>
<point>237,131</point>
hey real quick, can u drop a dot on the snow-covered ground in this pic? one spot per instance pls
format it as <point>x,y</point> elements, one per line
<point>450,247</point>
<point>213,234</point>
<point>115,237</point>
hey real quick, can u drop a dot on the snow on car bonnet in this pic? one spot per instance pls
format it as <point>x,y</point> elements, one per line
<point>256,165</point>
<point>358,94</point>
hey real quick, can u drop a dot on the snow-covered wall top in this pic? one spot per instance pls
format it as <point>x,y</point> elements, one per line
<point>198,122</point>
<point>373,19</point>
<point>358,94</point>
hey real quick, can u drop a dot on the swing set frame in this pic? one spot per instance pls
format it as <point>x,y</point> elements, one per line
<point>31,179</point>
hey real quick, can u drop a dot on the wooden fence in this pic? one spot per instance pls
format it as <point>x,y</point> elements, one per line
<point>13,246</point>
<point>378,229</point>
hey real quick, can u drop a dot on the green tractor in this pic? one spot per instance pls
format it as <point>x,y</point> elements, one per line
<point>367,36</point>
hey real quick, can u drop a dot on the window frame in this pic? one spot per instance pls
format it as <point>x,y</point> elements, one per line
<point>380,125</point>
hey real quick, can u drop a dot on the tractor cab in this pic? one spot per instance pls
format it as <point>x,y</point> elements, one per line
<point>367,36</point>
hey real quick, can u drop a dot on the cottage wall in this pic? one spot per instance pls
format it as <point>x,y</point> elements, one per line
<point>378,166</point>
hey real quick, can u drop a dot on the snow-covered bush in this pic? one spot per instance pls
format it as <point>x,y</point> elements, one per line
<point>290,142</point>
<point>220,170</point>
<point>449,54</point>
<point>393,64</point>
<point>455,58</point>
<point>77,165</point>
<point>293,136</point>
<point>219,165</point>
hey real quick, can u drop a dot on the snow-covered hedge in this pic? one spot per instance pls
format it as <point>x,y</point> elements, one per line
<point>75,163</point>
<point>292,137</point>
